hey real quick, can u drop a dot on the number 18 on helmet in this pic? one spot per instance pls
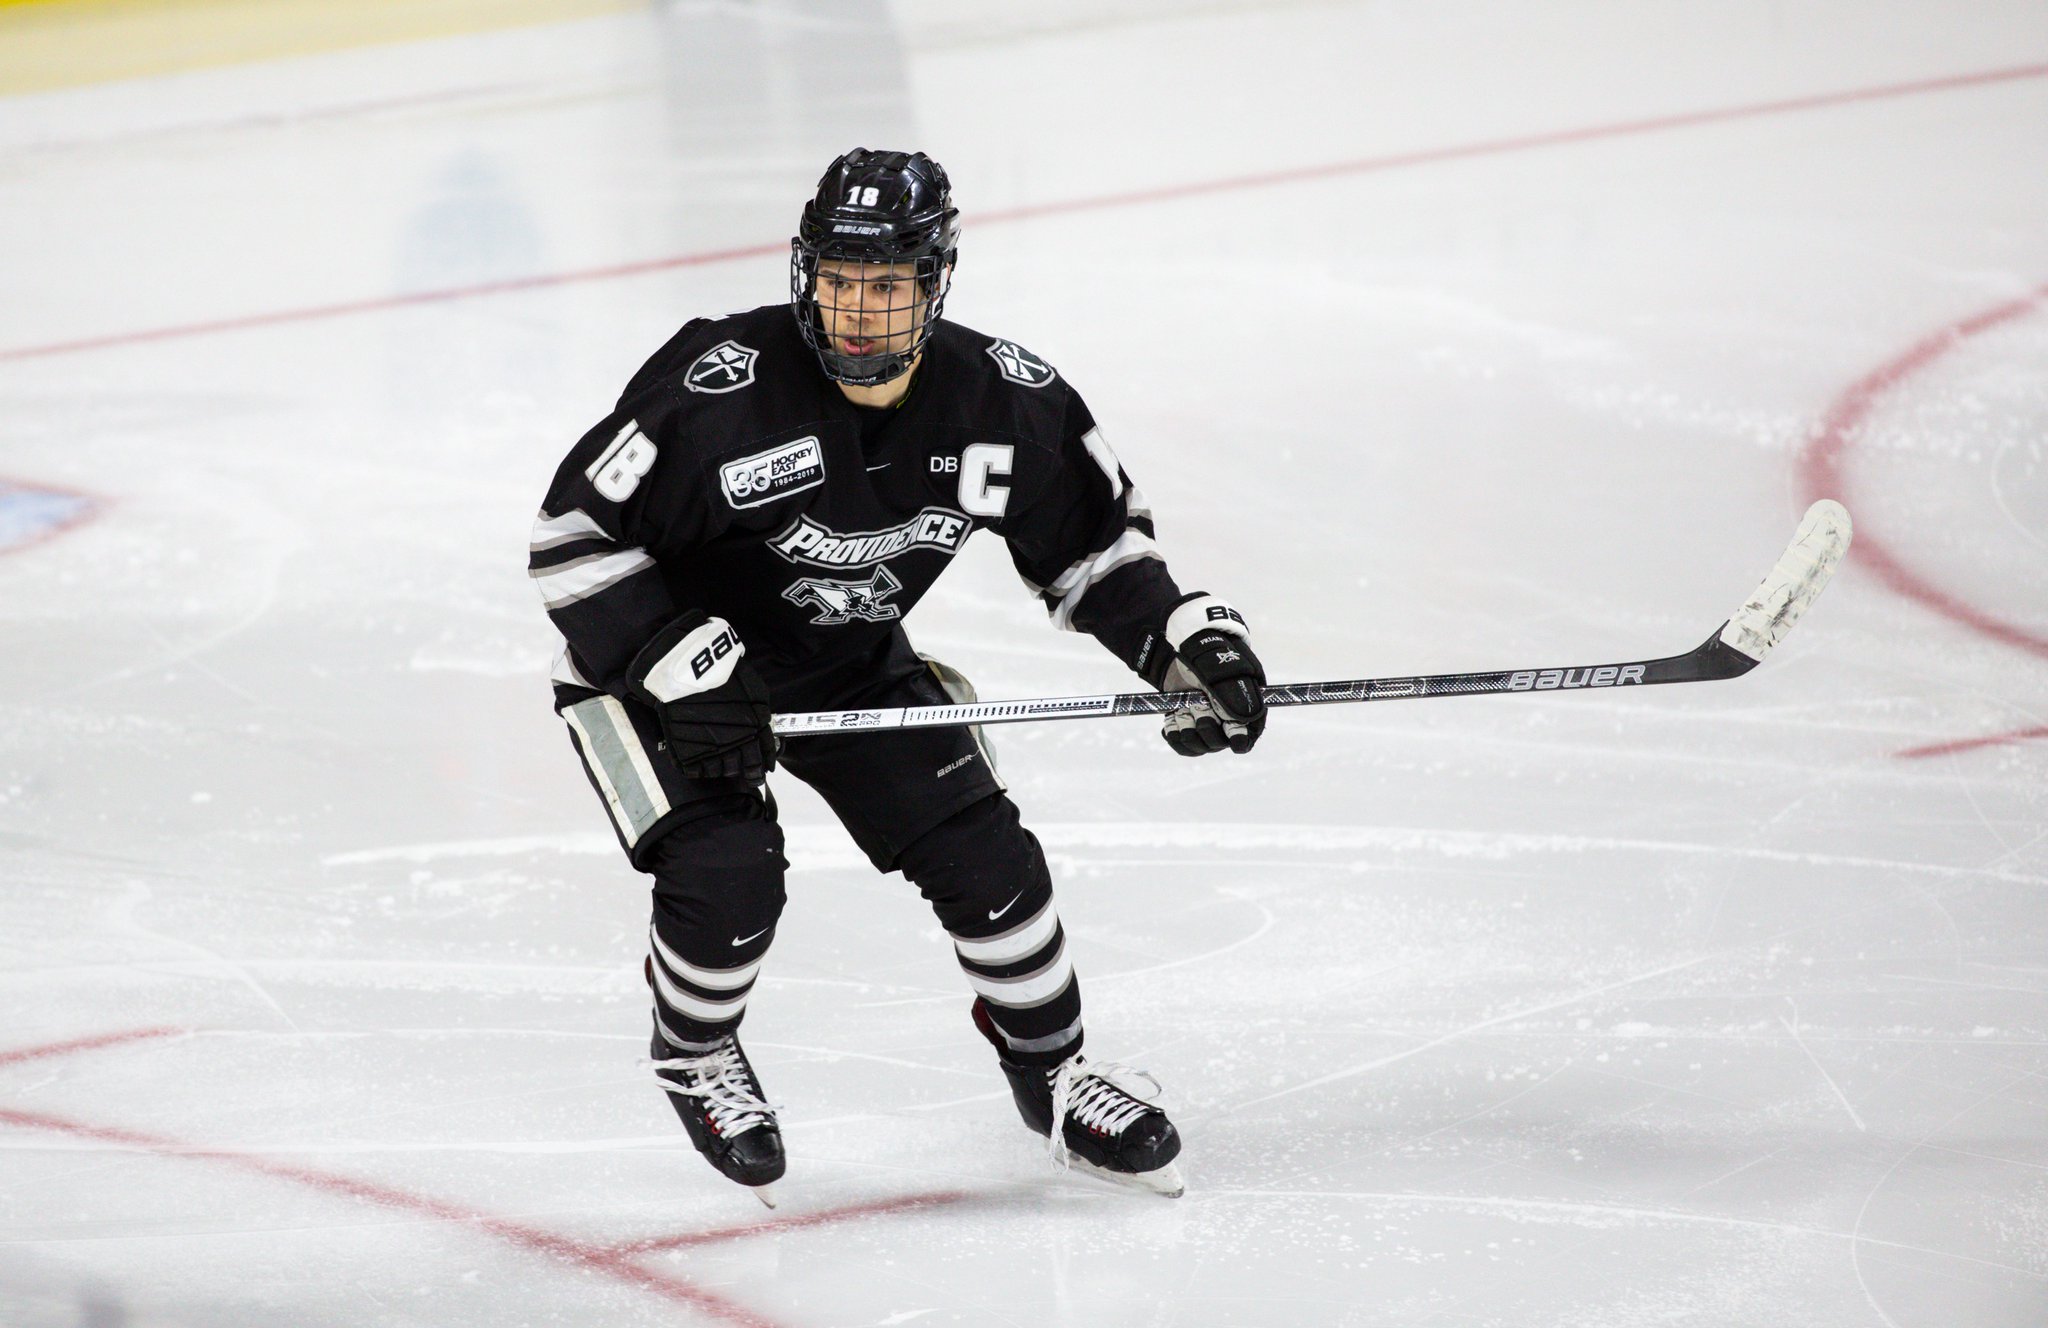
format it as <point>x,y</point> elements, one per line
<point>871,261</point>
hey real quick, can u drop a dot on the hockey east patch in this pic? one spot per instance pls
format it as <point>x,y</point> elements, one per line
<point>29,515</point>
<point>766,476</point>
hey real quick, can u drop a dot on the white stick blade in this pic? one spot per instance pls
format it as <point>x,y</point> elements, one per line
<point>1801,574</point>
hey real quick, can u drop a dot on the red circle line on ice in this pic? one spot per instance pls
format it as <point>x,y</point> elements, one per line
<point>1157,194</point>
<point>617,1261</point>
<point>1820,471</point>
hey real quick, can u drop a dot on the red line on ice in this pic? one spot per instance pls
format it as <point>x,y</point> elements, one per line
<point>1527,142</point>
<point>908,1203</point>
<point>579,1253</point>
<point>384,303</point>
<point>615,1261</point>
<point>94,1043</point>
<point>1820,468</point>
<point>561,1248</point>
<point>1329,170</point>
<point>1972,744</point>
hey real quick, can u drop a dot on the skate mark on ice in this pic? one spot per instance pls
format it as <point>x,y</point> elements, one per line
<point>863,1117</point>
<point>1737,1171</point>
<point>578,843</point>
<point>1723,952</point>
<point>1511,1016</point>
<point>1462,844</point>
<point>1792,1027</point>
<point>1267,919</point>
<point>828,1055</point>
<point>121,914</point>
<point>1856,1237</point>
<point>1029,212</point>
<point>1605,1214</point>
<point>822,843</point>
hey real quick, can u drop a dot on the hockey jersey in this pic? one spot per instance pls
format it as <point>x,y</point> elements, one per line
<point>734,477</point>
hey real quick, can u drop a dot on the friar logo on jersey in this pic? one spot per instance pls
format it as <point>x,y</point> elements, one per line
<point>1020,365</point>
<point>805,541</point>
<point>847,601</point>
<point>726,367</point>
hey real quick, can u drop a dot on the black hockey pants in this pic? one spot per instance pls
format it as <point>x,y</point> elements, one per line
<point>924,802</point>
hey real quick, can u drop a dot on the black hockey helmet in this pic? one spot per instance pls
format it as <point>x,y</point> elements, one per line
<point>874,208</point>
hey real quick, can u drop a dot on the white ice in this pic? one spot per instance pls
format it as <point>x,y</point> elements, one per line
<point>1696,1005</point>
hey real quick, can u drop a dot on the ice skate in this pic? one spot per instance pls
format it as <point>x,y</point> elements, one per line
<point>722,1107</point>
<point>1105,1130</point>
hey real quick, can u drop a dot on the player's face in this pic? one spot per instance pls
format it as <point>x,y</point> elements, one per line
<point>869,308</point>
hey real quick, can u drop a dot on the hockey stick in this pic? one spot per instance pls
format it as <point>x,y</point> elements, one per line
<point>1736,647</point>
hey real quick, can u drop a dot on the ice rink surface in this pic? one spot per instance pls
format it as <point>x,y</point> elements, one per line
<point>1442,336</point>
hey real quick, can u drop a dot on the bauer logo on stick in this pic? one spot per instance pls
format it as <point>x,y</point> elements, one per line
<point>726,367</point>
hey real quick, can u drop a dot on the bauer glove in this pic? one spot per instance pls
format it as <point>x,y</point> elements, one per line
<point>1204,647</point>
<point>713,706</point>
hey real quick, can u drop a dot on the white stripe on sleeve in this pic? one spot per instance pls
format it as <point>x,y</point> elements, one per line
<point>584,577</point>
<point>553,531</point>
<point>1074,582</point>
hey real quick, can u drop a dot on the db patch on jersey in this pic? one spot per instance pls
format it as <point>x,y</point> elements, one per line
<point>726,367</point>
<point>766,476</point>
<point>1020,365</point>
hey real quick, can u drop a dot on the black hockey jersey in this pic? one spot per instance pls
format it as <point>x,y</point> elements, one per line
<point>734,477</point>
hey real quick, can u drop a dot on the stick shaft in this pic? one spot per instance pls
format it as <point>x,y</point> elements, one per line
<point>1712,660</point>
<point>1736,647</point>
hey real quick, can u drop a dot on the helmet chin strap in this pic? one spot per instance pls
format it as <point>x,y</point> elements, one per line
<point>866,370</point>
<point>893,389</point>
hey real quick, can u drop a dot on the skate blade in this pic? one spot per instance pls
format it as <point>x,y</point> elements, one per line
<point>765,1193</point>
<point>1166,1181</point>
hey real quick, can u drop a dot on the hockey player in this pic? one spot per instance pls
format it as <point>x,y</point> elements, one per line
<point>744,533</point>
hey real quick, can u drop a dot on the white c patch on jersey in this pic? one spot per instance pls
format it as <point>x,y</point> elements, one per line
<point>726,367</point>
<point>979,493</point>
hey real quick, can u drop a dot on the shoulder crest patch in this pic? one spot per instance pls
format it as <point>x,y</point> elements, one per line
<point>1020,365</point>
<point>726,367</point>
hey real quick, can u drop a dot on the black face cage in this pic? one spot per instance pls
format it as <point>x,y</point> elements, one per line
<point>894,304</point>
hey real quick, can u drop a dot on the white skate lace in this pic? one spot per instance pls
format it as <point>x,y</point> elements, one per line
<point>731,1097</point>
<point>1104,1095</point>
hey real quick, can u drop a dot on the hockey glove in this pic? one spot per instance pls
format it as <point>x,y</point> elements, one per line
<point>1204,647</point>
<point>713,706</point>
